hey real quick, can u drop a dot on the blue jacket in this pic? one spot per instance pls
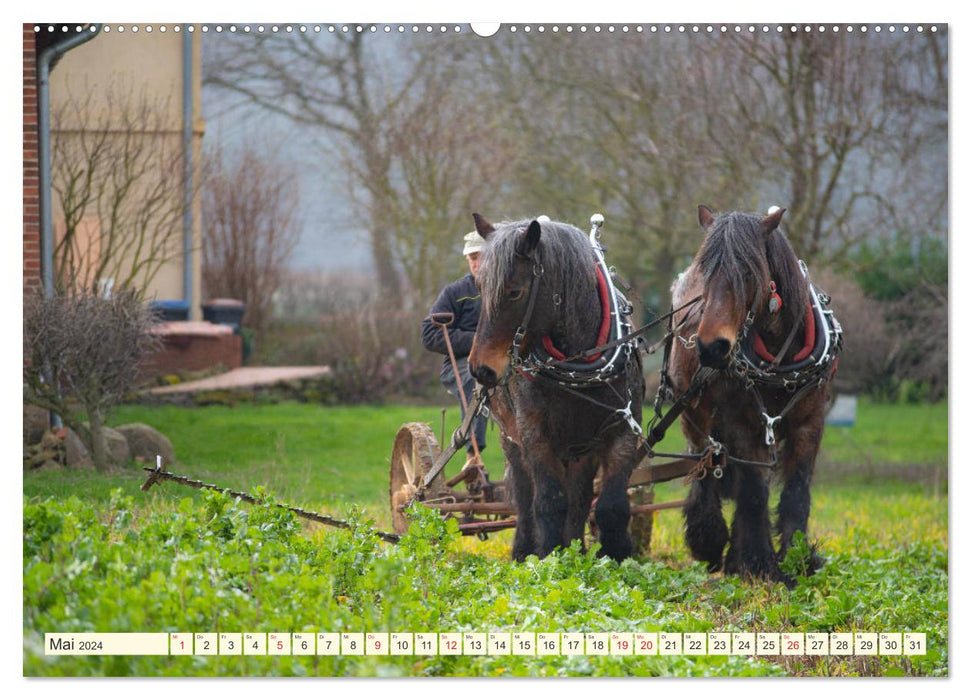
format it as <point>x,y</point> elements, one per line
<point>460,298</point>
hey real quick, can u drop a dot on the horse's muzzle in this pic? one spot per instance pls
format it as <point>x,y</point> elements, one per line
<point>714,354</point>
<point>485,375</point>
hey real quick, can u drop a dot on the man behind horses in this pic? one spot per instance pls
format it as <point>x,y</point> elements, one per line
<point>461,299</point>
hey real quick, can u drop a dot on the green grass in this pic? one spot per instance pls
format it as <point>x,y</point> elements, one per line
<point>176,559</point>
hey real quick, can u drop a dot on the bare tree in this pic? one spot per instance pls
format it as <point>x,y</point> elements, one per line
<point>82,354</point>
<point>249,206</point>
<point>841,121</point>
<point>446,162</point>
<point>117,175</point>
<point>352,86</point>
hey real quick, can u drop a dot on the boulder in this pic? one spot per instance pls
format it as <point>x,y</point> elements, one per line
<point>77,453</point>
<point>79,456</point>
<point>118,450</point>
<point>145,442</point>
<point>37,421</point>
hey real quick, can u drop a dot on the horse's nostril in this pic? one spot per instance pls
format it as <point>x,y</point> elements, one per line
<point>485,374</point>
<point>715,353</point>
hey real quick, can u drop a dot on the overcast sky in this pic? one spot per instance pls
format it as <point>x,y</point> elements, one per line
<point>330,239</point>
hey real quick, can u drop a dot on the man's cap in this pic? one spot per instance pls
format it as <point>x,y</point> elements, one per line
<point>473,243</point>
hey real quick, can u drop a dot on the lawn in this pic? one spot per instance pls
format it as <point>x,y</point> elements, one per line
<point>100,554</point>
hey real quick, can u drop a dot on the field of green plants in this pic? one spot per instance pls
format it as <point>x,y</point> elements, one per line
<point>100,555</point>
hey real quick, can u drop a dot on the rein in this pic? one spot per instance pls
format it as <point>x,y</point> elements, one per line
<point>798,379</point>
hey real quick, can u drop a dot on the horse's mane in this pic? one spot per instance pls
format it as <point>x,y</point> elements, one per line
<point>736,247</point>
<point>563,251</point>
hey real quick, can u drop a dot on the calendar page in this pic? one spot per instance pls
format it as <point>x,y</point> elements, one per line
<point>438,349</point>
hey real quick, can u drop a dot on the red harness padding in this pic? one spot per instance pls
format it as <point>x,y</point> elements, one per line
<point>604,324</point>
<point>808,344</point>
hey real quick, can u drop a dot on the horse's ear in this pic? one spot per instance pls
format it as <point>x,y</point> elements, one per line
<point>529,239</point>
<point>771,222</point>
<point>705,217</point>
<point>483,227</point>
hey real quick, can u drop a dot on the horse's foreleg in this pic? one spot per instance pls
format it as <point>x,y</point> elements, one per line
<point>751,552</point>
<point>798,461</point>
<point>524,541</point>
<point>550,500</point>
<point>580,496</point>
<point>613,504</point>
<point>704,526</point>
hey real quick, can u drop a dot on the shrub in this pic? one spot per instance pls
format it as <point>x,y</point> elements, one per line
<point>82,353</point>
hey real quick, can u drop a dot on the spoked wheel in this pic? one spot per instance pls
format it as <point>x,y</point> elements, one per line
<point>415,451</point>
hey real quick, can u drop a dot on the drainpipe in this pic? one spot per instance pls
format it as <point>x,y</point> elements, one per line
<point>187,145</point>
<point>47,57</point>
<point>44,67</point>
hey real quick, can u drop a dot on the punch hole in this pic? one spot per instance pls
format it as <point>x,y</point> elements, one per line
<point>484,29</point>
<point>162,28</point>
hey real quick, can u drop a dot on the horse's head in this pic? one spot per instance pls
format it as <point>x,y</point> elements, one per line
<point>526,271</point>
<point>739,262</point>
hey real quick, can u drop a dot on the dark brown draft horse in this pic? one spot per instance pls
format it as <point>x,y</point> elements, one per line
<point>546,297</point>
<point>764,329</point>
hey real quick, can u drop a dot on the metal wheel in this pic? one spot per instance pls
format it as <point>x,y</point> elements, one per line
<point>415,451</point>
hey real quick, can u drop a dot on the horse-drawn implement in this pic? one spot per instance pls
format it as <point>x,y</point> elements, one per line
<point>570,422</point>
<point>481,505</point>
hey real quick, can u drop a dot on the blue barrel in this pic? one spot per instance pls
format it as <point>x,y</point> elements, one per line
<point>170,309</point>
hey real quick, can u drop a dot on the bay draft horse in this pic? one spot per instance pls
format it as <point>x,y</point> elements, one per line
<point>767,390</point>
<point>545,299</point>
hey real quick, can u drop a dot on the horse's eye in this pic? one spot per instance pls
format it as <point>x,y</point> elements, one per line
<point>516,294</point>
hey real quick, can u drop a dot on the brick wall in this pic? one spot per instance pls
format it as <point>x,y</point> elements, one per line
<point>194,353</point>
<point>32,277</point>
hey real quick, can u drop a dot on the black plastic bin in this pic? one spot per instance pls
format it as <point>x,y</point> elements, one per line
<point>170,310</point>
<point>225,312</point>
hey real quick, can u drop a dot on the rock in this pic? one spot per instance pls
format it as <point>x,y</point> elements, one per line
<point>79,456</point>
<point>118,450</point>
<point>77,453</point>
<point>37,421</point>
<point>145,442</point>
